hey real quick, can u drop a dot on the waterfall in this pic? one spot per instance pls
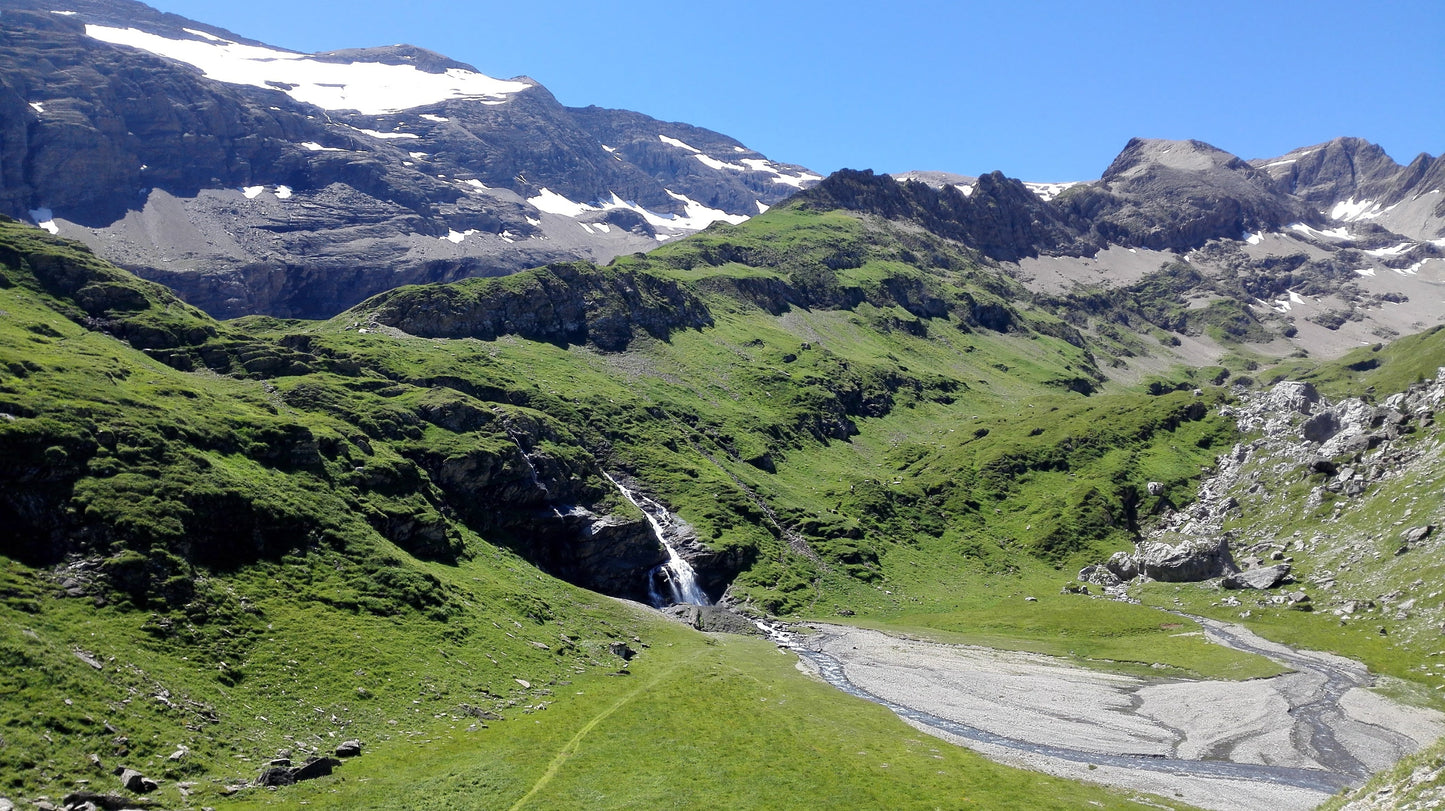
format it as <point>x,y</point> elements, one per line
<point>672,582</point>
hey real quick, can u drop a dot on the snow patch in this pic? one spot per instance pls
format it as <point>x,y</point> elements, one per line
<point>714,163</point>
<point>315,147</point>
<point>1048,191</point>
<point>677,143</point>
<point>372,88</point>
<point>45,218</point>
<point>1285,162</point>
<point>966,189</point>
<point>1416,268</point>
<point>1394,250</point>
<point>1253,239</point>
<point>252,192</point>
<point>418,155</point>
<point>553,203</point>
<point>608,149</point>
<point>477,184</point>
<point>1349,210</point>
<point>1295,297</point>
<point>1365,271</point>
<point>1333,233</point>
<point>695,217</point>
<point>203,35</point>
<point>283,192</point>
<point>440,119</point>
<point>456,237</point>
<point>35,105</point>
<point>386,135</point>
<point>762,209</point>
<point>747,164</point>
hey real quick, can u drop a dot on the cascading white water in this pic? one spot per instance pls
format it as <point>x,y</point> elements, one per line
<point>678,579</point>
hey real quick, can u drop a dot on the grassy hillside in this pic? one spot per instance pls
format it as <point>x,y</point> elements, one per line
<point>246,537</point>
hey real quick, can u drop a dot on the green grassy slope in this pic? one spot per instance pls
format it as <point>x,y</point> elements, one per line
<point>275,535</point>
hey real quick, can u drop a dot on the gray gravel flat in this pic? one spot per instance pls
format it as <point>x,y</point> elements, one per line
<point>1286,742</point>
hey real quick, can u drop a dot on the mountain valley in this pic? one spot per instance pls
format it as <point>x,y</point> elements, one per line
<point>366,448</point>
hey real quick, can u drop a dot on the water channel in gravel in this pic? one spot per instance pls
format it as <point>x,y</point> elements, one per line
<point>1343,769</point>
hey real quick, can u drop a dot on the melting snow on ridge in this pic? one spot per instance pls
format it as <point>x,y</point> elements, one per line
<point>1394,250</point>
<point>386,135</point>
<point>695,216</point>
<point>1048,191</point>
<point>747,165</point>
<point>372,88</point>
<point>1333,233</point>
<point>1349,210</point>
<point>45,218</point>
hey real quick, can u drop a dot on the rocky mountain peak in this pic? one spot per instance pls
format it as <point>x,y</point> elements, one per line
<point>1143,155</point>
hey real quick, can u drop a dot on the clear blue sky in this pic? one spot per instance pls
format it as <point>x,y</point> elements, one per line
<point>1041,90</point>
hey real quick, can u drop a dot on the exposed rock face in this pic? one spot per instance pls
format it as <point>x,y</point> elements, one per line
<point>247,199</point>
<point>609,553</point>
<point>1000,217</point>
<point>1351,169</point>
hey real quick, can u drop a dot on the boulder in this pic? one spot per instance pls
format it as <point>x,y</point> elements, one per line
<point>1123,566</point>
<point>1099,575</point>
<point>1264,577</point>
<point>1188,562</point>
<point>1320,427</point>
<point>94,800</point>
<point>351,748</point>
<point>314,768</point>
<point>1293,396</point>
<point>136,782</point>
<point>1155,488</point>
<point>1415,535</point>
<point>622,650</point>
<point>273,776</point>
<point>713,618</point>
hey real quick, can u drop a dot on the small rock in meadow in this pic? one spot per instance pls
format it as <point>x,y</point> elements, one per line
<point>137,782</point>
<point>351,748</point>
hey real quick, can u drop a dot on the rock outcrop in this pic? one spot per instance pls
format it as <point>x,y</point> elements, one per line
<point>562,304</point>
<point>1346,446</point>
